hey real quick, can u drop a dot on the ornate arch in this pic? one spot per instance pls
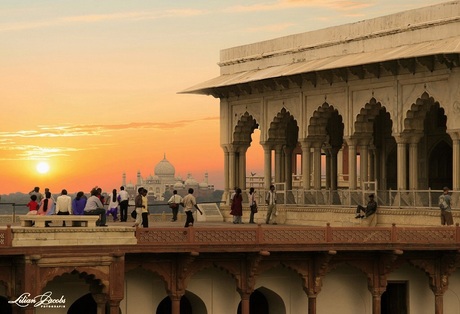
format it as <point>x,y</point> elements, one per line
<point>415,117</point>
<point>244,128</point>
<point>364,123</point>
<point>94,276</point>
<point>284,129</point>
<point>327,124</point>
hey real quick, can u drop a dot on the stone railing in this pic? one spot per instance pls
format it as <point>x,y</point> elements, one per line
<point>290,238</point>
<point>5,237</point>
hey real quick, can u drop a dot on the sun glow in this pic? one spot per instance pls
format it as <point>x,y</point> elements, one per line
<point>43,167</point>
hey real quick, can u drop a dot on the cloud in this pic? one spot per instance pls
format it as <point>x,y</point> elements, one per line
<point>96,18</point>
<point>341,5</point>
<point>33,152</point>
<point>80,130</point>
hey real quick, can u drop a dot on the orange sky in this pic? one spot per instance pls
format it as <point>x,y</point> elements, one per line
<point>91,88</point>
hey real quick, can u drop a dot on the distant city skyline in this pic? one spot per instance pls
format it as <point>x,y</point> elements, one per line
<point>91,89</point>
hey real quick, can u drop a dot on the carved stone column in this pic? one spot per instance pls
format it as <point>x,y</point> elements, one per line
<point>101,300</point>
<point>267,166</point>
<point>231,167</point>
<point>306,170</point>
<point>413,161</point>
<point>401,161</point>
<point>278,152</point>
<point>175,303</point>
<point>242,167</point>
<point>352,181</point>
<point>288,167</point>
<point>364,164</point>
<point>317,166</point>
<point>227,186</point>
<point>455,136</point>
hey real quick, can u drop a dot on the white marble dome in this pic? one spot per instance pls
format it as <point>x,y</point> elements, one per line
<point>178,185</point>
<point>164,168</point>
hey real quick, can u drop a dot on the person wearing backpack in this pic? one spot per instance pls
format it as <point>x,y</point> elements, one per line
<point>445,206</point>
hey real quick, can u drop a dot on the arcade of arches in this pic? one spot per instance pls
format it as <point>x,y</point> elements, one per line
<point>418,157</point>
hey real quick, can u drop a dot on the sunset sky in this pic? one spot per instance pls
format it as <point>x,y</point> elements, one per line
<point>90,87</point>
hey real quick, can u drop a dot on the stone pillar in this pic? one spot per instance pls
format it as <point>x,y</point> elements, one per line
<point>175,303</point>
<point>312,304</point>
<point>317,166</point>
<point>267,166</point>
<point>231,167</point>
<point>242,167</point>
<point>226,172</point>
<point>413,162</point>
<point>328,167</point>
<point>364,164</point>
<point>245,303</point>
<point>376,303</point>
<point>455,136</point>
<point>101,300</point>
<point>333,168</point>
<point>401,161</point>
<point>288,167</point>
<point>306,170</point>
<point>278,151</point>
<point>352,180</point>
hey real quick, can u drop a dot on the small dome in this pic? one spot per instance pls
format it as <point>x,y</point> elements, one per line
<point>164,168</point>
<point>203,185</point>
<point>178,185</point>
<point>191,181</point>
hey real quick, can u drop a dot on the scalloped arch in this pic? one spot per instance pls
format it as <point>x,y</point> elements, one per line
<point>284,129</point>
<point>244,128</point>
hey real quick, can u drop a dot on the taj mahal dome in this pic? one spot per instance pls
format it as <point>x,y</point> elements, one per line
<point>164,180</point>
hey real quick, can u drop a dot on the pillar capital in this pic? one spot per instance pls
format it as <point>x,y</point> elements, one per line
<point>454,134</point>
<point>350,140</point>
<point>401,138</point>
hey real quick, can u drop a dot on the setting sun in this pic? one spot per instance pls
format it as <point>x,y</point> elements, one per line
<point>43,167</point>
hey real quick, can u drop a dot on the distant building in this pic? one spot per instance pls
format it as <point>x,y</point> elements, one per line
<point>165,180</point>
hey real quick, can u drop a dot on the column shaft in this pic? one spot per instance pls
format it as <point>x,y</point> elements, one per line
<point>317,168</point>
<point>352,167</point>
<point>306,171</point>
<point>401,156</point>
<point>267,167</point>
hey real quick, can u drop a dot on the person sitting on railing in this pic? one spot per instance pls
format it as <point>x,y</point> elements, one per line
<point>369,210</point>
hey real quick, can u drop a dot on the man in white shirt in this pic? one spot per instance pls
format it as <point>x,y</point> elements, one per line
<point>189,205</point>
<point>123,198</point>
<point>63,205</point>
<point>174,203</point>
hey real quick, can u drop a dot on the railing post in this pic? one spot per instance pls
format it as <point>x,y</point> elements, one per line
<point>394,235</point>
<point>9,235</point>
<point>328,233</point>
<point>14,213</point>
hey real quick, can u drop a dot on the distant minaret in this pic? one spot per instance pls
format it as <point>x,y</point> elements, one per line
<point>123,181</point>
<point>139,178</point>
<point>206,177</point>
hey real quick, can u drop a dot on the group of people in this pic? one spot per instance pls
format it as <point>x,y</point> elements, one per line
<point>188,202</point>
<point>40,204</point>
<point>236,206</point>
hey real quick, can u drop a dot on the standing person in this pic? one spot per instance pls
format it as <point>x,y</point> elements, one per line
<point>112,201</point>
<point>271,202</point>
<point>138,207</point>
<point>237,207</point>
<point>145,209</point>
<point>189,202</point>
<point>123,198</point>
<point>174,203</point>
<point>445,206</point>
<point>36,192</point>
<point>368,212</point>
<point>94,207</point>
<point>252,205</point>
<point>51,210</point>
<point>79,203</point>
<point>33,205</point>
<point>63,204</point>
